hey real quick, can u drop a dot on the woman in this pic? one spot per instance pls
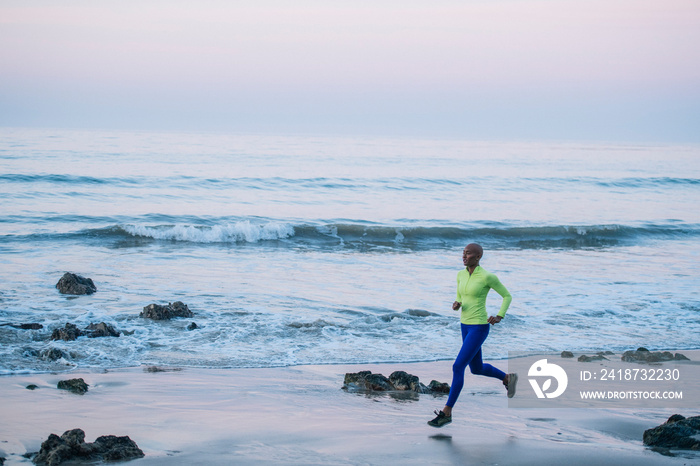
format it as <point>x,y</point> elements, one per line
<point>473,285</point>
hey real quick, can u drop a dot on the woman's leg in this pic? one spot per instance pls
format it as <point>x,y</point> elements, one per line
<point>473,337</point>
<point>477,367</point>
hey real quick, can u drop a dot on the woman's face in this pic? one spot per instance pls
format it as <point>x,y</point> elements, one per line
<point>471,255</point>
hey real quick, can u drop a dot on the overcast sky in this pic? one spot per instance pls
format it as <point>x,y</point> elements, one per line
<point>620,70</point>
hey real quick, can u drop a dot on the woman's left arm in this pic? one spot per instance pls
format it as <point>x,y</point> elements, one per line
<point>496,284</point>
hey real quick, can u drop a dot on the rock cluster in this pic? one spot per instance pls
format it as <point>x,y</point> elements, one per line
<point>158,312</point>
<point>397,381</point>
<point>644,355</point>
<point>678,432</point>
<point>71,446</point>
<point>71,283</point>
<point>70,332</point>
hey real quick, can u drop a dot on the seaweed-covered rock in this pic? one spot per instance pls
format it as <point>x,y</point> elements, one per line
<point>567,354</point>
<point>74,385</point>
<point>172,310</point>
<point>71,446</point>
<point>644,355</point>
<point>68,333</point>
<point>71,283</point>
<point>678,432</point>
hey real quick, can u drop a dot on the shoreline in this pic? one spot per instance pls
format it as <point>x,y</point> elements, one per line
<point>300,415</point>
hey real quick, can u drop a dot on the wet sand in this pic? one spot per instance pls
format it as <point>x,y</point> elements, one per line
<point>300,415</point>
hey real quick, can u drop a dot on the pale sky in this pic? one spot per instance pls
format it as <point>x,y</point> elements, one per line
<point>605,70</point>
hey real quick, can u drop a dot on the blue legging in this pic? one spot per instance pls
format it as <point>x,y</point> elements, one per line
<point>473,336</point>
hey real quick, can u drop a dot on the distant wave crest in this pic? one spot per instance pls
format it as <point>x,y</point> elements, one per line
<point>243,231</point>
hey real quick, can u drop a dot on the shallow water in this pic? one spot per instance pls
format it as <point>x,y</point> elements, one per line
<point>302,250</point>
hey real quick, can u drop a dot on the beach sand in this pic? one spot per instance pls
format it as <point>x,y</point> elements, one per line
<point>300,415</point>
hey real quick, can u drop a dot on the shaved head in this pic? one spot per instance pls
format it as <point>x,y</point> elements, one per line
<point>476,248</point>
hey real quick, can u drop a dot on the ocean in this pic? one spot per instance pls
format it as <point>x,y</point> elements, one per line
<point>294,250</point>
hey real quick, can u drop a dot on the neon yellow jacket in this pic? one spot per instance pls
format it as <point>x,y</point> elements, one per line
<point>471,292</point>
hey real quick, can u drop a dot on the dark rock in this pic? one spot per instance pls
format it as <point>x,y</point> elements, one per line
<point>100,330</point>
<point>31,386</point>
<point>32,326</point>
<point>641,348</point>
<point>567,354</point>
<point>439,387</point>
<point>161,369</point>
<point>404,381</point>
<point>71,283</point>
<point>52,354</point>
<point>678,432</point>
<point>69,333</point>
<point>365,380</point>
<point>115,448</point>
<point>397,381</point>
<point>597,357</point>
<point>158,312</point>
<point>74,385</point>
<point>192,326</point>
<point>71,446</point>
<point>644,355</point>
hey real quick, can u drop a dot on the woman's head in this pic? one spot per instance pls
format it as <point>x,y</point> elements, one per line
<point>472,255</point>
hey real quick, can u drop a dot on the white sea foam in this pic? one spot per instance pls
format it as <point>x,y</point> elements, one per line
<point>243,231</point>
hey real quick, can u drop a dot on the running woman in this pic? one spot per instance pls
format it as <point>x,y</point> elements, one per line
<point>473,284</point>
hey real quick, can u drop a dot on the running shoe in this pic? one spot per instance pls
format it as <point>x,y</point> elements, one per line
<point>512,383</point>
<point>441,419</point>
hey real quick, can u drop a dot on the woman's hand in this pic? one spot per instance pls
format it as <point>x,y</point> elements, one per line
<point>456,305</point>
<point>494,319</point>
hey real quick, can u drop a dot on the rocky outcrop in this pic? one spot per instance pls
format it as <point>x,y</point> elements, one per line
<point>644,355</point>
<point>397,381</point>
<point>71,283</point>
<point>567,354</point>
<point>172,310</point>
<point>74,385</point>
<point>678,432</point>
<point>70,332</point>
<point>71,446</point>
